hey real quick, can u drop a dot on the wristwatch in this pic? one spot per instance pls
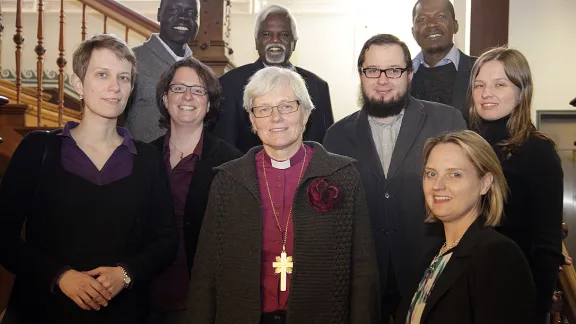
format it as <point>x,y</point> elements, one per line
<point>127,279</point>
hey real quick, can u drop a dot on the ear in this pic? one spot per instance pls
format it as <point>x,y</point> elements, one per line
<point>253,123</point>
<point>487,181</point>
<point>413,33</point>
<point>208,107</point>
<point>77,84</point>
<point>165,101</point>
<point>293,45</point>
<point>158,14</point>
<point>410,75</point>
<point>456,26</point>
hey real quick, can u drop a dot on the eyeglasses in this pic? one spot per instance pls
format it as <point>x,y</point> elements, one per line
<point>195,90</point>
<point>284,108</point>
<point>391,73</point>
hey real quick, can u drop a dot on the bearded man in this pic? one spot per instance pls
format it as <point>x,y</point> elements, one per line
<point>276,34</point>
<point>387,137</point>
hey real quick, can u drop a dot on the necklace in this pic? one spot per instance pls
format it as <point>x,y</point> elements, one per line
<point>174,146</point>
<point>441,253</point>
<point>283,264</point>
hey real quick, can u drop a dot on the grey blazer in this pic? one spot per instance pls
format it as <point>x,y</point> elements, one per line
<point>396,202</point>
<point>142,114</point>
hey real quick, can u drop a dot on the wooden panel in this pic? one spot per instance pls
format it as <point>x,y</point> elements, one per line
<point>488,24</point>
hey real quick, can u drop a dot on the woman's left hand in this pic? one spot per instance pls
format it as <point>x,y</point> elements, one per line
<point>111,278</point>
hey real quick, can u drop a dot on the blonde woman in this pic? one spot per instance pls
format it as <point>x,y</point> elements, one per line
<point>477,276</point>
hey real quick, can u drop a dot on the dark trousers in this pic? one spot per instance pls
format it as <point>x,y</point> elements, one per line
<point>390,298</point>
<point>277,317</point>
<point>163,317</point>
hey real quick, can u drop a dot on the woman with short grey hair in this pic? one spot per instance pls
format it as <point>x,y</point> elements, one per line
<point>287,221</point>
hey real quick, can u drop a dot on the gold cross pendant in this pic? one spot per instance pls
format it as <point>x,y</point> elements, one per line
<point>282,266</point>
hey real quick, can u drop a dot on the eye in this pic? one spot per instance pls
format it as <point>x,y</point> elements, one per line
<point>124,78</point>
<point>430,174</point>
<point>265,34</point>
<point>421,19</point>
<point>285,34</point>
<point>499,85</point>
<point>198,91</point>
<point>101,74</point>
<point>478,86</point>
<point>456,175</point>
<point>442,16</point>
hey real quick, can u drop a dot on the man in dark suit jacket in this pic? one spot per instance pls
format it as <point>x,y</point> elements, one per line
<point>441,70</point>
<point>387,138</point>
<point>276,35</point>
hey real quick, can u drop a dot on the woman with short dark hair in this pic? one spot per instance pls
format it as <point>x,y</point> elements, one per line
<point>188,97</point>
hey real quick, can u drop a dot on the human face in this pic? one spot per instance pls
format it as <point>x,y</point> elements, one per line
<point>494,95</point>
<point>186,109</point>
<point>452,187</point>
<point>279,131</point>
<point>434,26</point>
<point>106,86</point>
<point>384,89</point>
<point>275,41</point>
<point>179,20</point>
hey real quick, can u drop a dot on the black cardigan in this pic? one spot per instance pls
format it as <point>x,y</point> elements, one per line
<point>214,152</point>
<point>533,212</point>
<point>486,281</point>
<point>149,245</point>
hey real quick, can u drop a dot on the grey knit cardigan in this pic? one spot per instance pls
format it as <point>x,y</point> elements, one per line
<point>335,278</point>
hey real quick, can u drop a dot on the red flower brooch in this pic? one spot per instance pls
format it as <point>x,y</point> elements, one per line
<point>323,195</point>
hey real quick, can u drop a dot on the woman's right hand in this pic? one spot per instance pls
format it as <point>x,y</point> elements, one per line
<point>84,290</point>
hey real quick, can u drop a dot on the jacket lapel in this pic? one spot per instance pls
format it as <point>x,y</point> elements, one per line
<point>411,123</point>
<point>365,144</point>
<point>457,265</point>
<point>156,47</point>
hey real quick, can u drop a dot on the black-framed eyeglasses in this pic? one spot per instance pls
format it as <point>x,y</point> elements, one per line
<point>391,73</point>
<point>284,108</point>
<point>195,89</point>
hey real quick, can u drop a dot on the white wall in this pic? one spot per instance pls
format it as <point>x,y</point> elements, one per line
<point>545,32</point>
<point>329,43</point>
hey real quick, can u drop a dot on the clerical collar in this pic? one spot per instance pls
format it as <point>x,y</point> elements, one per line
<point>282,165</point>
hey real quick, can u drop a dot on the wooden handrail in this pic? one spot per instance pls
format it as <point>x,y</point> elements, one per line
<point>125,16</point>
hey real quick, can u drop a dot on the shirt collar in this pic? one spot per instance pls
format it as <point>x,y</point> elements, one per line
<point>187,50</point>
<point>123,132</point>
<point>288,66</point>
<point>295,159</point>
<point>453,56</point>
<point>388,121</point>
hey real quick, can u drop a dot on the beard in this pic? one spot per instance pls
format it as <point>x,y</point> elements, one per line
<point>275,58</point>
<point>381,109</point>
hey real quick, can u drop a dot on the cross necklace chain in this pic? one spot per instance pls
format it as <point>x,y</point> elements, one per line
<point>441,253</point>
<point>284,263</point>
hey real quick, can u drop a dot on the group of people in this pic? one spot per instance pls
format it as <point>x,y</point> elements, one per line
<point>437,202</point>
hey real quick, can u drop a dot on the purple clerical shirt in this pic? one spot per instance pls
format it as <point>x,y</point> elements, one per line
<point>283,184</point>
<point>169,290</point>
<point>75,161</point>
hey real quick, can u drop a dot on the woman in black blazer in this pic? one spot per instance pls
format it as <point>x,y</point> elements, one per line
<point>478,275</point>
<point>188,97</point>
<point>500,101</point>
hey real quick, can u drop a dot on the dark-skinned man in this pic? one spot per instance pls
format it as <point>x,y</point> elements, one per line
<point>179,20</point>
<point>441,70</point>
<point>276,35</point>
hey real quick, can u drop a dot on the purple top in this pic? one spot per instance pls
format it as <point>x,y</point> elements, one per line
<point>169,290</point>
<point>283,184</point>
<point>118,166</point>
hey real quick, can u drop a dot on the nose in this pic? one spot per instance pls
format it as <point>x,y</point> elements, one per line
<point>187,95</point>
<point>274,38</point>
<point>383,79</point>
<point>114,85</point>
<point>439,183</point>
<point>431,22</point>
<point>276,115</point>
<point>486,93</point>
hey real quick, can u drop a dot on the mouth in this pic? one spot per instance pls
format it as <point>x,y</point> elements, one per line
<point>111,100</point>
<point>181,28</point>
<point>488,105</point>
<point>434,36</point>
<point>278,129</point>
<point>187,108</point>
<point>275,49</point>
<point>441,199</point>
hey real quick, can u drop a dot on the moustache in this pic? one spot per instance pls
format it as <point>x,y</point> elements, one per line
<point>275,45</point>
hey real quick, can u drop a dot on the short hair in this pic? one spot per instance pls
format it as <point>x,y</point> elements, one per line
<point>275,9</point>
<point>485,161</point>
<point>271,78</point>
<point>448,4</point>
<point>385,39</point>
<point>209,81</point>
<point>517,69</point>
<point>83,54</point>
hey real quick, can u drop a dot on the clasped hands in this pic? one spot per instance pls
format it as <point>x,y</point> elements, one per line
<point>92,289</point>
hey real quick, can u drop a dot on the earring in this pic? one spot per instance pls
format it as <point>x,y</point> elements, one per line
<point>81,97</point>
<point>208,108</point>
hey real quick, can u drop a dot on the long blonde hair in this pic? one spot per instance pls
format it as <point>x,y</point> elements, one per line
<point>485,161</point>
<point>519,126</point>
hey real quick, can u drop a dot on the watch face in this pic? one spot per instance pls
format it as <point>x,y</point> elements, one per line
<point>127,280</point>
